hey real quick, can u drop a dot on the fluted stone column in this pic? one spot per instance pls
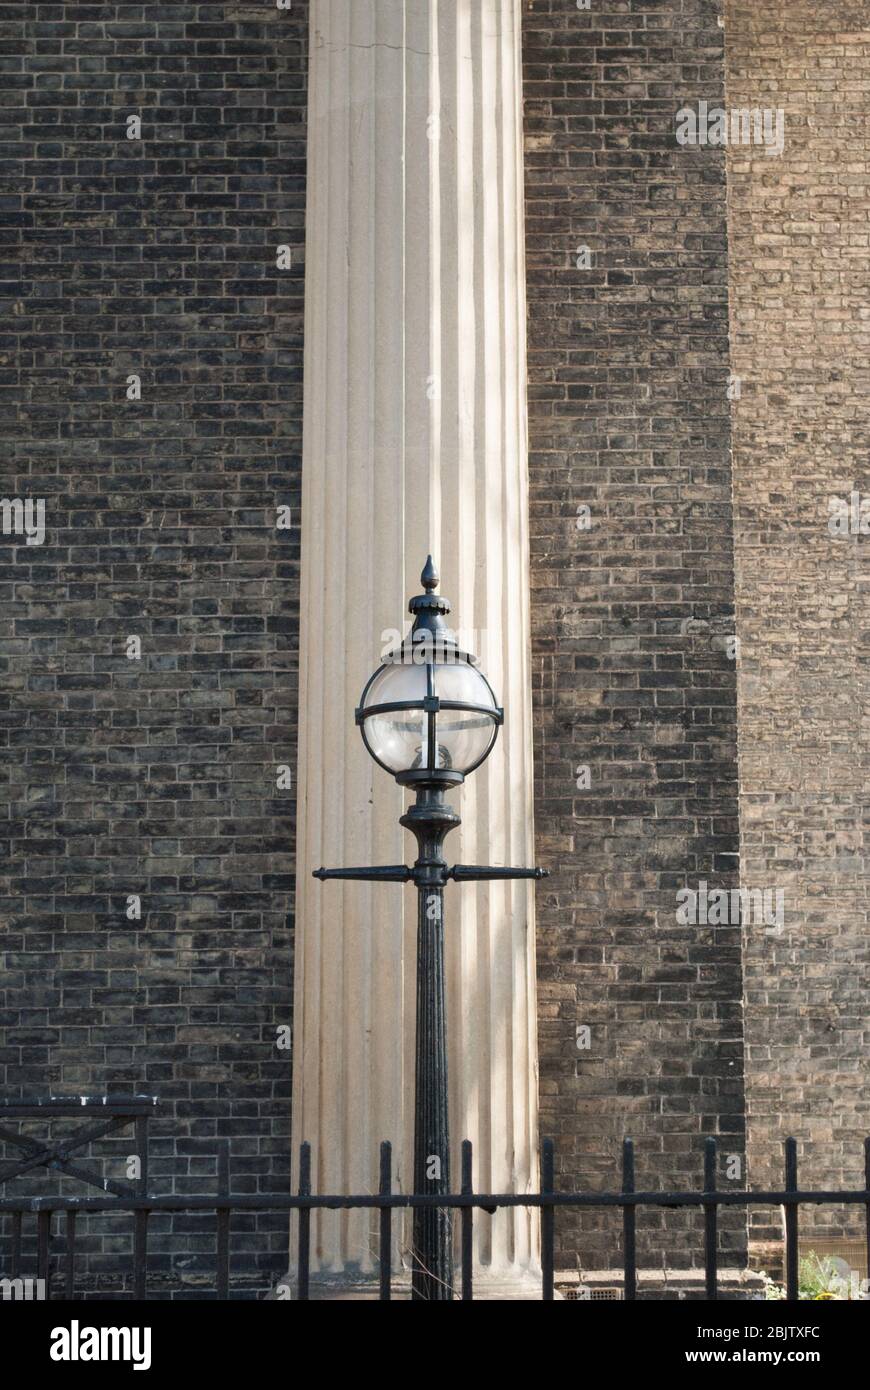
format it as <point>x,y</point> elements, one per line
<point>414,442</point>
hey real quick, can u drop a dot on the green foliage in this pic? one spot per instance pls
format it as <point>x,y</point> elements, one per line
<point>818,1279</point>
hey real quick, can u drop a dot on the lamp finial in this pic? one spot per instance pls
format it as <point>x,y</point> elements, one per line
<point>430,578</point>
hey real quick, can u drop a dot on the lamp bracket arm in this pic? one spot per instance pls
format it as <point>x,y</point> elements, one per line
<point>386,873</point>
<point>466,873</point>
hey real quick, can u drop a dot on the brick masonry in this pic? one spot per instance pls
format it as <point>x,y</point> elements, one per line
<point>155,257</point>
<point>158,777</point>
<point>629,415</point>
<point>800,294</point>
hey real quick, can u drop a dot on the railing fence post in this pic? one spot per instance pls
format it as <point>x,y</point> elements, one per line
<point>141,1130</point>
<point>304,1252</point>
<point>867,1207</point>
<point>467,1226</point>
<point>385,1259</point>
<point>16,1244</point>
<point>791,1223</point>
<point>140,1228</point>
<point>69,1282</point>
<point>223,1222</point>
<point>548,1181</point>
<point>43,1235</point>
<point>629,1226</point>
<point>711,1212</point>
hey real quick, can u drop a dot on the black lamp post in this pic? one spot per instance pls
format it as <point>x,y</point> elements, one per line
<point>428,716</point>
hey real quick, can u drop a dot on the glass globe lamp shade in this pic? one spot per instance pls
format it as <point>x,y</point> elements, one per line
<point>419,715</point>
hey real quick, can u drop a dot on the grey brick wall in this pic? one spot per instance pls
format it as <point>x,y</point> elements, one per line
<point>800,289</point>
<point>629,416</point>
<point>156,777</point>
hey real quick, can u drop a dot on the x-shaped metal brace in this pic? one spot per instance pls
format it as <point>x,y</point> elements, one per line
<point>56,1156</point>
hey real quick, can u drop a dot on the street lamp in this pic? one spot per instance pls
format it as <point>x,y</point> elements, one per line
<point>429,717</point>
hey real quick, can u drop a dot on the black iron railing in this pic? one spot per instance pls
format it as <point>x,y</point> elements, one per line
<point>116,1113</point>
<point>466,1202</point>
